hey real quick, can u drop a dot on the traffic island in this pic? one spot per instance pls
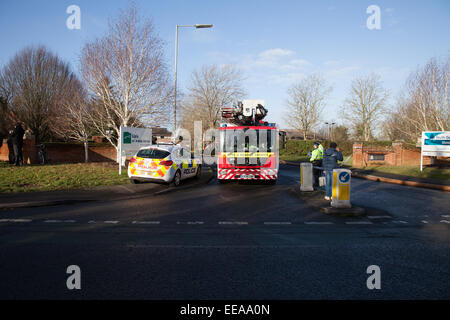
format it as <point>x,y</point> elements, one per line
<point>315,199</point>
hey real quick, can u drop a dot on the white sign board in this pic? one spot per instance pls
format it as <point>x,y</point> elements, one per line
<point>435,144</point>
<point>131,140</point>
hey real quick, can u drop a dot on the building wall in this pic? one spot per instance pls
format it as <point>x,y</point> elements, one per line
<point>395,155</point>
<point>28,151</point>
<point>63,152</point>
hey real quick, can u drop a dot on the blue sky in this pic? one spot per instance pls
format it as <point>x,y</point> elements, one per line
<point>275,43</point>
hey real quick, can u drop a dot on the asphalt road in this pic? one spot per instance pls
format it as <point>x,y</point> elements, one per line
<point>233,241</point>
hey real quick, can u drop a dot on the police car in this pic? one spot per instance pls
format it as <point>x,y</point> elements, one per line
<point>163,163</point>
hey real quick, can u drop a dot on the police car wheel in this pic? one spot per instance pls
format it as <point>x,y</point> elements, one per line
<point>199,172</point>
<point>134,181</point>
<point>177,179</point>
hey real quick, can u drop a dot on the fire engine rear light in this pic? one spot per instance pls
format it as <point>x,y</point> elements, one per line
<point>167,163</point>
<point>133,160</point>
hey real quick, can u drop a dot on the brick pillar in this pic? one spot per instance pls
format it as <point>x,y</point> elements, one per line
<point>398,151</point>
<point>30,151</point>
<point>358,160</point>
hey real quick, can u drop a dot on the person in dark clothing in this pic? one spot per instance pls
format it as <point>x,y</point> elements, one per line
<point>10,143</point>
<point>330,160</point>
<point>17,139</point>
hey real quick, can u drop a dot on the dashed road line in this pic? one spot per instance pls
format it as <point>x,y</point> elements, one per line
<point>358,222</point>
<point>190,222</point>
<point>318,223</point>
<point>278,223</point>
<point>224,223</point>
<point>16,220</point>
<point>233,223</point>
<point>379,217</point>
<point>146,222</point>
<point>59,221</point>
<point>445,215</point>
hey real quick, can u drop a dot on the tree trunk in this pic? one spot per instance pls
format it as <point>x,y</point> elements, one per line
<point>86,152</point>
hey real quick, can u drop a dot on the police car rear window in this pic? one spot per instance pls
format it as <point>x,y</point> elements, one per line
<point>152,154</point>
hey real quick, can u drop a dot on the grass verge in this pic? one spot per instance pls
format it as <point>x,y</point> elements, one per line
<point>58,177</point>
<point>414,171</point>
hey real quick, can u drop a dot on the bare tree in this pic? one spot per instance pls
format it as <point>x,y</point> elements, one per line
<point>425,106</point>
<point>4,119</point>
<point>75,122</point>
<point>365,105</point>
<point>126,73</point>
<point>35,83</point>
<point>306,102</point>
<point>212,88</point>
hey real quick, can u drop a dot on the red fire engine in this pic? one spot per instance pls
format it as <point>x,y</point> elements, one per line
<point>248,146</point>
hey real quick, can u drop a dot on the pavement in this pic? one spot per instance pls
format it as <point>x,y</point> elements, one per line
<point>393,178</point>
<point>232,241</point>
<point>118,192</point>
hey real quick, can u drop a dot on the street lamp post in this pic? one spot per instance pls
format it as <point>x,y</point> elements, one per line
<point>328,128</point>
<point>331,132</point>
<point>197,26</point>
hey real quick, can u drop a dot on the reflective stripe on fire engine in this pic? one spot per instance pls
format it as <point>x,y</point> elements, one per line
<point>230,174</point>
<point>248,154</point>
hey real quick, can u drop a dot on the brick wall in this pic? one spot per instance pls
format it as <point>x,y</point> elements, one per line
<point>395,155</point>
<point>63,152</point>
<point>29,153</point>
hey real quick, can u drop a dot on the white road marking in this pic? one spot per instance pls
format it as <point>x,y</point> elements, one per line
<point>445,215</point>
<point>318,223</point>
<point>92,222</point>
<point>358,222</point>
<point>59,221</point>
<point>233,222</point>
<point>379,217</point>
<point>444,221</point>
<point>400,221</point>
<point>146,222</point>
<point>111,222</point>
<point>16,220</point>
<point>277,223</point>
<point>190,222</point>
<point>424,221</point>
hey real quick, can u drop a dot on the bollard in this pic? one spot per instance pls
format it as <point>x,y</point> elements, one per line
<point>341,188</point>
<point>306,176</point>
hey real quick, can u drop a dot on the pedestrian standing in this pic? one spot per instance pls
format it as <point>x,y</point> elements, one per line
<point>330,162</point>
<point>11,156</point>
<point>17,139</point>
<point>316,160</point>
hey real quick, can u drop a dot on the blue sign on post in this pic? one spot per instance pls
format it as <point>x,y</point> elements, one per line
<point>344,177</point>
